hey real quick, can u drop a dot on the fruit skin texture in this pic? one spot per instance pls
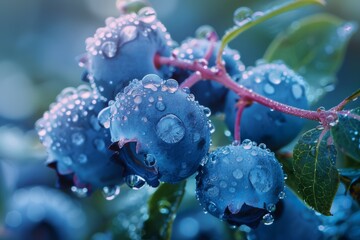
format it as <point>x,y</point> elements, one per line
<point>209,93</point>
<point>258,123</point>
<point>169,127</point>
<point>124,50</point>
<point>76,143</point>
<point>238,183</point>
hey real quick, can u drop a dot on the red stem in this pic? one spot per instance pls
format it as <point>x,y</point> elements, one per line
<point>241,105</point>
<point>220,75</point>
<point>191,80</point>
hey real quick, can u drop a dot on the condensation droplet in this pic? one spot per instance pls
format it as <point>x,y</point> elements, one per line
<point>297,91</point>
<point>135,182</point>
<point>170,129</point>
<point>109,49</point>
<point>160,106</point>
<point>261,179</point>
<point>242,14</point>
<point>268,219</point>
<point>77,139</point>
<point>147,15</point>
<point>110,192</point>
<point>268,89</point>
<point>237,174</point>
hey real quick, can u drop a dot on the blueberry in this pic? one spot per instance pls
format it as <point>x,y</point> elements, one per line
<point>259,123</point>
<point>170,129</point>
<point>77,146</point>
<point>208,93</point>
<point>239,183</point>
<point>293,220</point>
<point>43,213</point>
<point>125,49</point>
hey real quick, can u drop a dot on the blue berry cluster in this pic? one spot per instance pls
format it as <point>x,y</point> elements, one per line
<point>135,124</point>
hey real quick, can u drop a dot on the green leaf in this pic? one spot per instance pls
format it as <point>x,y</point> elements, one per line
<point>314,168</point>
<point>314,47</point>
<point>257,18</point>
<point>163,206</point>
<point>287,160</point>
<point>346,133</point>
<point>351,179</point>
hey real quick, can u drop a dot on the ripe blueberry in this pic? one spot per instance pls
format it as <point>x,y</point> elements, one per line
<point>259,123</point>
<point>76,143</point>
<point>208,93</point>
<point>170,129</point>
<point>125,49</point>
<point>240,183</point>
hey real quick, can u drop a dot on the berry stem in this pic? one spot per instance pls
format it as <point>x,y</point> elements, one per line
<point>191,80</point>
<point>219,75</point>
<point>241,105</point>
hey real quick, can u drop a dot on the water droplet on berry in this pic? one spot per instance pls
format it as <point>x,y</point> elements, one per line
<point>67,160</point>
<point>172,85</point>
<point>268,89</point>
<point>77,139</point>
<point>127,34</point>
<point>170,129</point>
<point>109,49</point>
<point>282,195</point>
<point>207,111</point>
<point>213,191</point>
<point>212,207</point>
<point>297,91</point>
<point>135,182</point>
<point>147,15</point>
<point>160,106</point>
<point>275,77</point>
<point>137,99</point>
<point>260,178</point>
<point>111,192</point>
<point>204,31</point>
<point>104,117</point>
<point>151,81</point>
<point>268,219</point>
<point>247,144</point>
<point>237,174</point>
<point>241,15</point>
<point>271,207</point>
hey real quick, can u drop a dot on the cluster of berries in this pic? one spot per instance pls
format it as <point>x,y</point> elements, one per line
<point>134,123</point>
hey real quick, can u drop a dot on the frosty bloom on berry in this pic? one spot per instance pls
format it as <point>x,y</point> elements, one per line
<point>125,49</point>
<point>164,125</point>
<point>240,184</point>
<point>209,93</point>
<point>76,143</point>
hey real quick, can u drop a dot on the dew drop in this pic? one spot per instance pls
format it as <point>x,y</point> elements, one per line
<point>77,139</point>
<point>241,14</point>
<point>237,174</point>
<point>127,34</point>
<point>111,192</point>
<point>261,179</point>
<point>275,77</point>
<point>104,117</point>
<point>164,207</point>
<point>135,182</point>
<point>151,81</point>
<point>268,219</point>
<point>204,31</point>
<point>172,85</point>
<point>147,15</point>
<point>297,91</point>
<point>80,192</point>
<point>109,49</point>
<point>67,160</point>
<point>207,111</point>
<point>213,191</point>
<point>247,144</point>
<point>160,106</point>
<point>281,195</point>
<point>271,207</point>
<point>170,129</point>
<point>137,99</point>
<point>212,207</point>
<point>268,89</point>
